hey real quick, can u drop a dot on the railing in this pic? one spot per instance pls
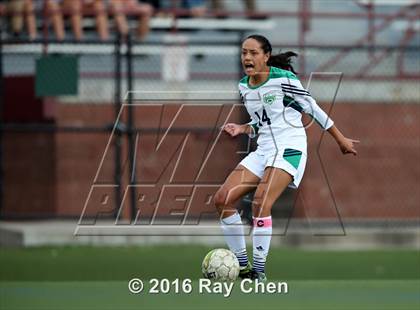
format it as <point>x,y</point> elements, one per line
<point>369,68</point>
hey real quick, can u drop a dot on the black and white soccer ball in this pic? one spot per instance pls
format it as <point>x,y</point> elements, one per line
<point>220,265</point>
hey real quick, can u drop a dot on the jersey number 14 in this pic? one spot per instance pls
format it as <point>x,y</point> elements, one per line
<point>263,119</point>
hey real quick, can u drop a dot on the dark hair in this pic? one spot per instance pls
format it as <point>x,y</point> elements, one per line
<point>282,60</point>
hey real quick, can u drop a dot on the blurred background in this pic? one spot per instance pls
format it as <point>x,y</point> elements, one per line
<point>69,124</point>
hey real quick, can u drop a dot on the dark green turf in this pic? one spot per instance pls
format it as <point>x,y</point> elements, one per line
<point>119,264</point>
<point>313,295</point>
<point>70,278</point>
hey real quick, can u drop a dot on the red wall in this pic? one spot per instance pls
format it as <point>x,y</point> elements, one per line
<point>52,174</point>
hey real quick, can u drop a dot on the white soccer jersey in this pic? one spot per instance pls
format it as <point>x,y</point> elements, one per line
<point>275,109</point>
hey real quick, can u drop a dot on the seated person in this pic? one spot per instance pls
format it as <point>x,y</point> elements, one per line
<point>75,9</point>
<point>21,12</point>
<point>78,8</point>
<point>56,17</point>
<point>195,8</point>
<point>250,8</point>
<point>120,8</point>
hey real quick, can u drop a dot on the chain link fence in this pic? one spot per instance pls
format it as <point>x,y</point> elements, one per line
<point>54,151</point>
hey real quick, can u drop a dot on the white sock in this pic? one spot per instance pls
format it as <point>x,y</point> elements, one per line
<point>261,237</point>
<point>234,235</point>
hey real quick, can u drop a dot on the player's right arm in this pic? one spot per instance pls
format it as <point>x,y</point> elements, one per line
<point>237,129</point>
<point>250,128</point>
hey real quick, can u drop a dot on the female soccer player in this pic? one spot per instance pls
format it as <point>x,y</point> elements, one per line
<point>274,99</point>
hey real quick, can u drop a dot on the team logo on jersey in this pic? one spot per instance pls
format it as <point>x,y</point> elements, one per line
<point>269,98</point>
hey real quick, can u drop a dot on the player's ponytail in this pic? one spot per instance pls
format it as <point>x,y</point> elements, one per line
<point>282,60</point>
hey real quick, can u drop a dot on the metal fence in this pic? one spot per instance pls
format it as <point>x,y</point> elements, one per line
<point>377,102</point>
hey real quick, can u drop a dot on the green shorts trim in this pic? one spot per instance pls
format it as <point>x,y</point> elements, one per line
<point>292,157</point>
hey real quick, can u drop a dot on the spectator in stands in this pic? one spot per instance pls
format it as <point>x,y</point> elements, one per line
<point>119,9</point>
<point>21,12</point>
<point>55,15</point>
<point>75,9</point>
<point>78,8</point>
<point>196,8</point>
<point>154,3</point>
<point>250,6</point>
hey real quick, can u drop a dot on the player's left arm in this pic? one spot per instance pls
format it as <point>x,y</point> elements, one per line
<point>347,145</point>
<point>304,99</point>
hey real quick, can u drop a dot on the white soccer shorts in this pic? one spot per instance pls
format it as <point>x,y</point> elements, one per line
<point>288,159</point>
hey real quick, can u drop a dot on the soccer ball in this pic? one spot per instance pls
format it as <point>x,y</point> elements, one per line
<point>220,265</point>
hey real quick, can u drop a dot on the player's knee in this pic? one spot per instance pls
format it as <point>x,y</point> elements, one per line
<point>220,198</point>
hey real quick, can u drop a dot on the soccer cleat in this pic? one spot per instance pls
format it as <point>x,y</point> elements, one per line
<point>258,276</point>
<point>245,272</point>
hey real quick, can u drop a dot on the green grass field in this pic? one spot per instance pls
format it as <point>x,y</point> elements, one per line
<point>97,278</point>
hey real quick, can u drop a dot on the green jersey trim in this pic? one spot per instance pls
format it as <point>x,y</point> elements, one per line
<point>275,73</point>
<point>255,127</point>
<point>289,102</point>
<point>278,73</point>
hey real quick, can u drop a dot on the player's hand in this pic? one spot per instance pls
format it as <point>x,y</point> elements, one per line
<point>233,129</point>
<point>347,146</point>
